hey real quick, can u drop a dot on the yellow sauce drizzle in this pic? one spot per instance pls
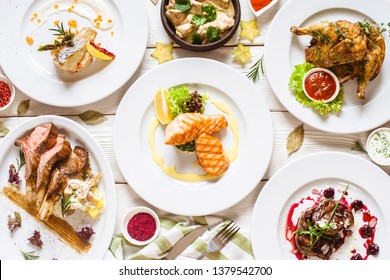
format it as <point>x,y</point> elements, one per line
<point>191,177</point>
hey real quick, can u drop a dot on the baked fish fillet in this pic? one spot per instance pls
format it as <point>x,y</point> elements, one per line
<point>211,155</point>
<point>187,127</point>
<point>75,57</point>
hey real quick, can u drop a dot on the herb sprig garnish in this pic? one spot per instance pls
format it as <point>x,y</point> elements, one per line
<point>66,202</point>
<point>254,72</point>
<point>367,23</point>
<point>21,160</point>
<point>358,146</point>
<point>316,232</point>
<point>29,256</point>
<point>65,36</point>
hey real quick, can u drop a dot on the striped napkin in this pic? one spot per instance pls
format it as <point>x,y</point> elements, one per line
<point>175,227</point>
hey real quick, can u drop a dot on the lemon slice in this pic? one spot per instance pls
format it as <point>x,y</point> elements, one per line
<point>99,52</point>
<point>161,107</point>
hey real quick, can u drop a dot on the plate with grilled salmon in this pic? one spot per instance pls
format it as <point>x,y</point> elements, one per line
<point>72,53</point>
<point>57,192</point>
<point>198,131</point>
<point>347,40</point>
<point>316,209</point>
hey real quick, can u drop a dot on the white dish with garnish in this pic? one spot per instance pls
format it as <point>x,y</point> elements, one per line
<point>284,50</point>
<point>34,72</point>
<point>136,113</point>
<point>297,180</point>
<point>53,247</point>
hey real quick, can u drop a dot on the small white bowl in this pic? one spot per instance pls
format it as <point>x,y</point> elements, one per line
<point>132,212</point>
<point>259,12</point>
<point>326,71</point>
<point>12,88</point>
<point>370,152</point>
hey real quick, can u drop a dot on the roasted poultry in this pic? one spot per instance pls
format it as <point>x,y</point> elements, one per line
<point>43,138</point>
<point>72,168</point>
<point>348,49</point>
<point>187,127</point>
<point>211,155</point>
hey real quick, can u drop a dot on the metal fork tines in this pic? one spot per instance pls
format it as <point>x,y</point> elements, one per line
<point>221,239</point>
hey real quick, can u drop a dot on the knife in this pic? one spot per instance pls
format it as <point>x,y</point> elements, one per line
<point>185,241</point>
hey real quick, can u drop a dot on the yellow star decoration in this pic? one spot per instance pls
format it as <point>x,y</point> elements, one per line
<point>242,53</point>
<point>163,52</point>
<point>249,30</point>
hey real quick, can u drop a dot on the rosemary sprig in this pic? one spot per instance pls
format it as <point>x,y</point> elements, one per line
<point>65,36</point>
<point>65,204</point>
<point>316,232</point>
<point>254,72</point>
<point>29,256</point>
<point>21,160</point>
<point>358,146</point>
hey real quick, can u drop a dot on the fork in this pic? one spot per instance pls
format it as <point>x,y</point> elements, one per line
<point>221,239</point>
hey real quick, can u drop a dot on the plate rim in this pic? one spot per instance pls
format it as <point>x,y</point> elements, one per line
<point>265,192</point>
<point>21,84</point>
<point>284,96</point>
<point>96,150</point>
<point>179,63</point>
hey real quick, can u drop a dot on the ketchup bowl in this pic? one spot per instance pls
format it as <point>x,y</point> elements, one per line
<point>259,7</point>
<point>320,84</point>
<point>140,225</point>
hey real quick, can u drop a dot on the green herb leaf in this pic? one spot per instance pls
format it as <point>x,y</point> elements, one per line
<point>92,117</point>
<point>196,39</point>
<point>65,204</point>
<point>198,20</point>
<point>210,11</point>
<point>254,72</point>
<point>213,34</point>
<point>29,256</point>
<point>66,37</point>
<point>21,160</point>
<point>358,146</point>
<point>295,85</point>
<point>187,147</point>
<point>23,107</point>
<point>295,139</point>
<point>4,130</point>
<point>183,5</point>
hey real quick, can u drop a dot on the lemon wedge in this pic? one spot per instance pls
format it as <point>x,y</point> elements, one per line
<point>99,52</point>
<point>161,107</point>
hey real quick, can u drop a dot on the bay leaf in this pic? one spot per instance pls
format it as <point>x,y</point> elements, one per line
<point>92,117</point>
<point>23,107</point>
<point>3,130</point>
<point>295,139</point>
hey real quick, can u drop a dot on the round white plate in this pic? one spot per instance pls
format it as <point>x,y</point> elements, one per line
<point>12,244</point>
<point>134,157</point>
<point>35,74</point>
<point>283,50</point>
<point>296,180</point>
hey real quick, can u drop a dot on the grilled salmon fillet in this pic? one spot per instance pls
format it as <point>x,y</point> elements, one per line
<point>187,127</point>
<point>75,57</point>
<point>211,155</point>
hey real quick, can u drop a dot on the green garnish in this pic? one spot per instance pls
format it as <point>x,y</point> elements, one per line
<point>198,20</point>
<point>358,146</point>
<point>295,85</point>
<point>254,72</point>
<point>21,160</point>
<point>182,101</point>
<point>65,36</point>
<point>66,201</point>
<point>29,256</point>
<point>213,34</point>
<point>316,232</point>
<point>183,5</point>
<point>366,24</point>
<point>211,15</point>
<point>187,147</point>
<point>196,39</point>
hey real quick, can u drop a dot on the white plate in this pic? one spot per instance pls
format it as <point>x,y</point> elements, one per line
<point>295,180</point>
<point>54,248</point>
<point>134,157</point>
<point>283,50</point>
<point>35,74</point>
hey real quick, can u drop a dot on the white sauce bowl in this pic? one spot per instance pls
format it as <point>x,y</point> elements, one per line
<point>372,147</point>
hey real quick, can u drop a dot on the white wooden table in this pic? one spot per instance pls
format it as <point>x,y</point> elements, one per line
<point>283,121</point>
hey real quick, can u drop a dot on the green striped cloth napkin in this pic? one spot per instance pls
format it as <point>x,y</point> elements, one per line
<point>175,227</point>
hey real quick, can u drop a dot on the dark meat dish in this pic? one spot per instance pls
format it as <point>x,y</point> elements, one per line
<point>34,145</point>
<point>318,217</point>
<point>72,168</point>
<point>350,50</point>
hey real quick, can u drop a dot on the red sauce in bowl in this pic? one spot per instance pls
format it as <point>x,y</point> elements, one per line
<point>259,4</point>
<point>141,227</point>
<point>320,85</point>
<point>5,94</point>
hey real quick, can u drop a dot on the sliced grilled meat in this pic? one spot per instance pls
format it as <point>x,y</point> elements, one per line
<point>72,168</point>
<point>34,145</point>
<point>60,151</point>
